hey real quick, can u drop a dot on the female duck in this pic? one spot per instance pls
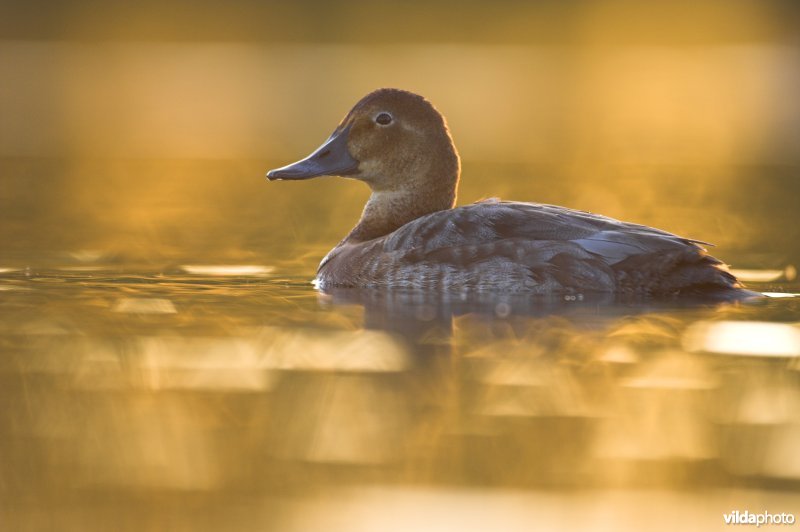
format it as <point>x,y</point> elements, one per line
<point>411,236</point>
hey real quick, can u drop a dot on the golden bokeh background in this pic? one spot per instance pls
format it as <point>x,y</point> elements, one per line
<point>142,132</point>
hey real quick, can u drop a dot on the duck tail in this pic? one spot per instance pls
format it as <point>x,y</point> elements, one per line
<point>687,273</point>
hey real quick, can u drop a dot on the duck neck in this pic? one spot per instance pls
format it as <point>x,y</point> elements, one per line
<point>388,210</point>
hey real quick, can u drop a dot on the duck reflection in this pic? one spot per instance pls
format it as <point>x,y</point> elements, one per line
<point>414,313</point>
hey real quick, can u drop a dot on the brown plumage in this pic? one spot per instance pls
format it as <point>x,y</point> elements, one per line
<point>411,236</point>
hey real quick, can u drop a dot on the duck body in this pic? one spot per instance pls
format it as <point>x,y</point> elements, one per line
<point>514,246</point>
<point>411,236</point>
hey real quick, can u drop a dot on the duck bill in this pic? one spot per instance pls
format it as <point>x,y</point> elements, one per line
<point>332,158</point>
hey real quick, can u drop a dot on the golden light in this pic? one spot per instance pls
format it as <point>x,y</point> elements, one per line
<point>144,305</point>
<point>789,273</point>
<point>359,351</point>
<point>247,270</point>
<point>744,338</point>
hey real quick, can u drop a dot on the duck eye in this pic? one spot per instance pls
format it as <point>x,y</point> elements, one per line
<point>384,119</point>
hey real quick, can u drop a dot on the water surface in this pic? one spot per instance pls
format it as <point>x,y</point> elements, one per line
<point>196,397</point>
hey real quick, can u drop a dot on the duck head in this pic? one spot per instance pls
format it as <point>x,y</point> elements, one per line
<point>391,139</point>
<point>397,143</point>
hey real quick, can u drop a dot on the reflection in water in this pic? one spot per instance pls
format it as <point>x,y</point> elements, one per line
<point>352,351</point>
<point>227,270</point>
<point>751,338</point>
<point>144,306</point>
<point>207,384</point>
<point>173,363</point>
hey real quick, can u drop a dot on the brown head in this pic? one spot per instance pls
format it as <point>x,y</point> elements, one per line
<point>397,143</point>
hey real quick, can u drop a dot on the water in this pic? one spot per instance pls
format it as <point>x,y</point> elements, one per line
<point>203,397</point>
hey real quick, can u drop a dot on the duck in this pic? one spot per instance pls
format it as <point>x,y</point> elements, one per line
<point>411,234</point>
